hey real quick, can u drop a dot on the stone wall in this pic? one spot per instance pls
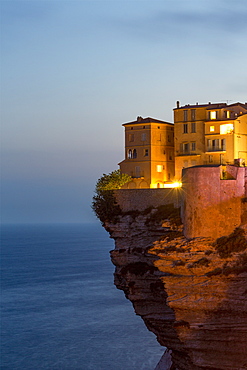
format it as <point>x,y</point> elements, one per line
<point>211,206</point>
<point>140,199</point>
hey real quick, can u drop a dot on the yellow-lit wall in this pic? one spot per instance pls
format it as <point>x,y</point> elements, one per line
<point>158,140</point>
<point>193,157</point>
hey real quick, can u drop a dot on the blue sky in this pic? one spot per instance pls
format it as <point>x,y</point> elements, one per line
<point>73,71</point>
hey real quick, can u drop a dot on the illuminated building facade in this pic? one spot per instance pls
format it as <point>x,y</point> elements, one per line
<point>210,134</point>
<point>149,153</point>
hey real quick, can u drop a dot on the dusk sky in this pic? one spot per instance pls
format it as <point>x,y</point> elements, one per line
<point>73,71</point>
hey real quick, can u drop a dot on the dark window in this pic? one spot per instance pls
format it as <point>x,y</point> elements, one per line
<point>193,127</point>
<point>185,115</point>
<point>185,128</point>
<point>193,114</point>
<point>134,153</point>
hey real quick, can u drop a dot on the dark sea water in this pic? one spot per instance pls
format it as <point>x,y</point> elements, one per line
<point>60,308</point>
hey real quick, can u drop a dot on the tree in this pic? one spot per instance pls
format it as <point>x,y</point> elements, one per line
<point>104,202</point>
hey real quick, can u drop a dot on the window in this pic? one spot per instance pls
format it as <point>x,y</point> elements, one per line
<point>193,127</point>
<point>193,146</point>
<point>145,152</point>
<point>193,114</point>
<point>144,137</point>
<point>186,148</point>
<point>227,114</point>
<point>129,154</point>
<point>213,115</point>
<point>138,171</point>
<point>134,153</point>
<point>223,144</point>
<point>170,156</point>
<point>158,126</point>
<point>143,126</point>
<point>159,168</point>
<point>185,128</point>
<point>211,128</point>
<point>168,138</point>
<point>185,115</point>
<point>210,159</point>
<point>131,137</point>
<point>215,144</point>
<point>226,128</point>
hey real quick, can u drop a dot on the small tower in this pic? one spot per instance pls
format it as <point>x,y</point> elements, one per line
<point>149,153</point>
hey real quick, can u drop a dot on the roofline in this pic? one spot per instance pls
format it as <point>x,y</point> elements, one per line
<point>147,120</point>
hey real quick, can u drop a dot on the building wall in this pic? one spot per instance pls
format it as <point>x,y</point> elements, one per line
<point>211,206</point>
<point>191,157</point>
<point>153,163</point>
<point>191,148</point>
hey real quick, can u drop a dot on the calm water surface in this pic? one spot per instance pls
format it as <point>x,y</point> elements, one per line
<point>60,308</point>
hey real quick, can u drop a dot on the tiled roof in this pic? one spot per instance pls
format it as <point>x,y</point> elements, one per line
<point>141,120</point>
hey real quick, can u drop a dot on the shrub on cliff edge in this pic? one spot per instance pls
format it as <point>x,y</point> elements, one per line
<point>104,203</point>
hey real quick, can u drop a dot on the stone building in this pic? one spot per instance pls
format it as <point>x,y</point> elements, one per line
<point>210,134</point>
<point>149,153</point>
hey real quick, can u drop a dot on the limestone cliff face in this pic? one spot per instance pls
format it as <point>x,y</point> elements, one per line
<point>192,293</point>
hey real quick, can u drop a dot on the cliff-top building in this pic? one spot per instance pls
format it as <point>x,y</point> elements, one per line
<point>210,134</point>
<point>149,153</point>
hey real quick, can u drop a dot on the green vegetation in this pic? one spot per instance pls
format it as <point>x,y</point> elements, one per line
<point>104,203</point>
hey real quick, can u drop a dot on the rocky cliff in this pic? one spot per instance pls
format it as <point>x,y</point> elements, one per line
<point>192,293</point>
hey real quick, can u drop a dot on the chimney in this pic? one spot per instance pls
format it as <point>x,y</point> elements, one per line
<point>139,119</point>
<point>177,103</point>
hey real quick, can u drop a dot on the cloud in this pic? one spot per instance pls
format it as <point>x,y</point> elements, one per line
<point>206,20</point>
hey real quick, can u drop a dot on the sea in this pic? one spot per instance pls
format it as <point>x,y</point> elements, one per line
<point>59,306</point>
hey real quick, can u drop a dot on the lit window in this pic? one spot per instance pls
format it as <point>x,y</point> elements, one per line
<point>185,115</point>
<point>129,154</point>
<point>144,137</point>
<point>193,146</point>
<point>193,127</point>
<point>213,115</point>
<point>159,168</point>
<point>211,129</point>
<point>185,128</point>
<point>145,152</point>
<point>226,128</point>
<point>227,114</point>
